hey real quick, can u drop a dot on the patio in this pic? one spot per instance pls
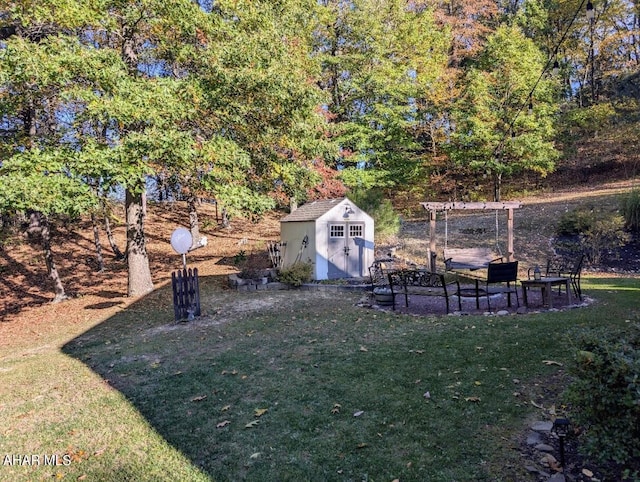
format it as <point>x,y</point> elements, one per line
<point>425,305</point>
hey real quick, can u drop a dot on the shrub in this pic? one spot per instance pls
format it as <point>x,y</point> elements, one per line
<point>631,210</point>
<point>596,231</point>
<point>387,221</point>
<point>605,396</point>
<point>295,275</point>
<point>605,233</point>
<point>575,222</point>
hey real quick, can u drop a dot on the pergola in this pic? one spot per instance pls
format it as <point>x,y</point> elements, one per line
<point>434,207</point>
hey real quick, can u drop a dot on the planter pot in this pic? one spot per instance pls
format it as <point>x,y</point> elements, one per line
<point>383,296</point>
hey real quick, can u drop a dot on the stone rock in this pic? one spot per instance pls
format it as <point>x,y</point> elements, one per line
<point>557,478</point>
<point>503,313</point>
<point>522,310</point>
<point>544,448</point>
<point>534,438</point>
<point>549,461</point>
<point>542,426</point>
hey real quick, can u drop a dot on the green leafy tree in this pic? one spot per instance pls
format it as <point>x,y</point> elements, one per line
<point>37,171</point>
<point>381,60</point>
<point>495,134</point>
<point>222,99</point>
<point>41,184</point>
<point>259,80</point>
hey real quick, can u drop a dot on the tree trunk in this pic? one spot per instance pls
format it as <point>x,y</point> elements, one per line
<point>139,282</point>
<point>194,225</point>
<point>45,232</point>
<point>225,219</point>
<point>112,242</point>
<point>97,243</point>
<point>497,187</point>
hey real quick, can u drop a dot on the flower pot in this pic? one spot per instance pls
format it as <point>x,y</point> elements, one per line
<point>383,296</point>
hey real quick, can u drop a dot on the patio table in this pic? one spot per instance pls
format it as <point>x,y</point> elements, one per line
<point>545,284</point>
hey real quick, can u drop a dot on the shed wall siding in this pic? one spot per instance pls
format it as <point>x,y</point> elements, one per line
<point>293,234</point>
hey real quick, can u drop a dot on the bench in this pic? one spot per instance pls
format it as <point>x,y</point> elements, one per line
<point>417,282</point>
<point>378,272</point>
<point>469,258</point>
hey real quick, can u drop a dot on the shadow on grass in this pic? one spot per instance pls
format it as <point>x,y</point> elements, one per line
<point>300,386</point>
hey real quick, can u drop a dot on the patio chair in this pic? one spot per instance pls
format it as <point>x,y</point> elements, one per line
<point>501,278</point>
<point>569,268</point>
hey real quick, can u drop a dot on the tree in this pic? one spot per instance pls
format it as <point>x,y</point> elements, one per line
<point>215,96</point>
<point>495,135</point>
<point>37,175</point>
<point>470,23</point>
<point>380,60</point>
<point>259,80</point>
<point>41,184</point>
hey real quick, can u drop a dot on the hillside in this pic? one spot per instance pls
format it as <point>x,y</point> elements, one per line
<point>25,290</point>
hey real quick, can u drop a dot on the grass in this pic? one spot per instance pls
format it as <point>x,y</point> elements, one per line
<point>138,397</point>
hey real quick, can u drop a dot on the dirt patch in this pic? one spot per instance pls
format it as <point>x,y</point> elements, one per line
<point>26,314</point>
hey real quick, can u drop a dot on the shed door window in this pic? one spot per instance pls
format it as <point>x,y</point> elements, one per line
<point>355,230</point>
<point>336,231</point>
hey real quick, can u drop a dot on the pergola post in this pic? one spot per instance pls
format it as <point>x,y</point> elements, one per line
<point>510,234</point>
<point>432,240</point>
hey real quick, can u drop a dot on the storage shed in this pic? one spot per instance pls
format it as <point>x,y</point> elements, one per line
<point>334,234</point>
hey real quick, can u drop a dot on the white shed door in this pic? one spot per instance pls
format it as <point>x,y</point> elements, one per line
<point>345,250</point>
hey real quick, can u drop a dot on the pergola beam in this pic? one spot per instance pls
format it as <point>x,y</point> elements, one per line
<point>440,206</point>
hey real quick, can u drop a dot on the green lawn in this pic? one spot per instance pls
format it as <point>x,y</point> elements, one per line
<point>292,386</point>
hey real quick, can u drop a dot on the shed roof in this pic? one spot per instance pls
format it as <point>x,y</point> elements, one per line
<point>312,211</point>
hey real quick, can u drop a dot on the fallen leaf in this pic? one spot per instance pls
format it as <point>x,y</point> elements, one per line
<point>225,408</point>
<point>358,413</point>
<point>472,399</point>
<point>536,405</point>
<point>551,362</point>
<point>336,408</point>
<point>259,412</point>
<point>587,472</point>
<point>362,348</point>
<point>198,398</point>
<point>252,424</point>
<point>224,423</point>
<point>98,453</point>
<point>255,456</point>
<point>477,383</point>
<point>82,477</point>
<point>362,445</point>
<point>427,395</point>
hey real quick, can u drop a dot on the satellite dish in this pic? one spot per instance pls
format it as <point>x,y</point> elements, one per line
<point>181,240</point>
